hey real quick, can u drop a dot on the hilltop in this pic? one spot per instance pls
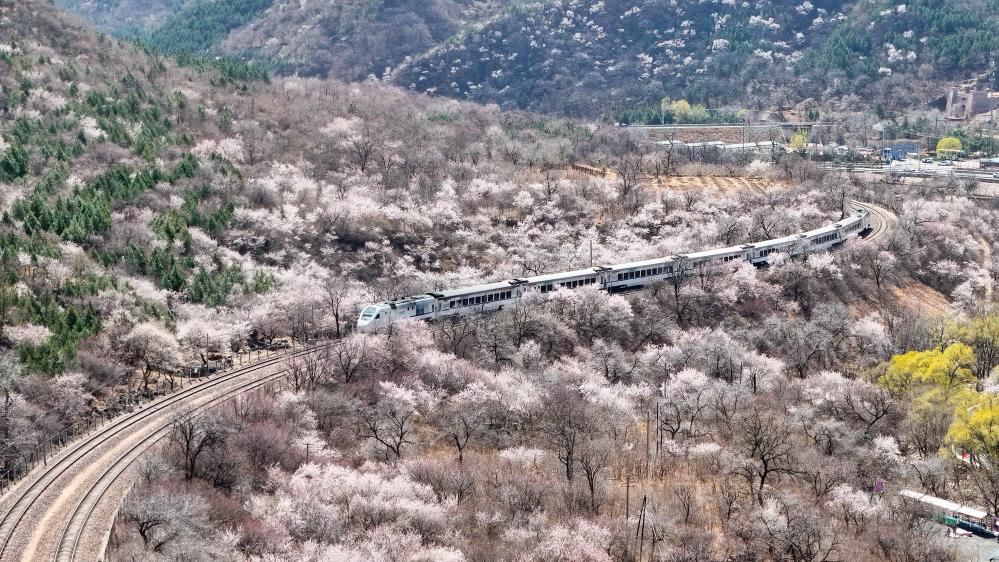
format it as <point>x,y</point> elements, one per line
<point>594,58</point>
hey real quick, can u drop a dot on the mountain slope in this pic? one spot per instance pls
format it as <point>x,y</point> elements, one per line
<point>592,57</point>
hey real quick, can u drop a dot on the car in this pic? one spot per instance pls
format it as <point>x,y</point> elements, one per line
<point>927,160</point>
<point>995,175</point>
<point>219,359</point>
<point>201,371</point>
<point>945,163</point>
<point>279,344</point>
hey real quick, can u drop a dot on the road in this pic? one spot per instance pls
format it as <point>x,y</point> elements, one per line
<point>64,510</point>
<point>920,170</point>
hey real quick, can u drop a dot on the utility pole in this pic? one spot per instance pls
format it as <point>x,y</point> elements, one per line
<point>627,497</point>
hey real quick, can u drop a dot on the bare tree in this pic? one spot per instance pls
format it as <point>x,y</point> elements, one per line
<point>348,356</point>
<point>765,439</point>
<point>565,424</point>
<point>594,456</point>
<point>192,436</point>
<point>162,516</point>
<point>390,423</point>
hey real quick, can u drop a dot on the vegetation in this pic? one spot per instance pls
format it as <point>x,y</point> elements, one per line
<point>679,112</point>
<point>201,25</point>
<point>949,145</point>
<point>163,216</point>
<point>601,59</point>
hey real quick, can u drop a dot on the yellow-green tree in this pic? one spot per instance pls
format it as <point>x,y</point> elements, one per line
<point>976,425</point>
<point>949,145</point>
<point>681,108</point>
<point>939,376</point>
<point>982,334</point>
<point>799,140</point>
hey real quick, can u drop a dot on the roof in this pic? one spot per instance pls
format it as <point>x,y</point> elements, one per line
<point>562,275</point>
<point>475,289</point>
<point>945,505</point>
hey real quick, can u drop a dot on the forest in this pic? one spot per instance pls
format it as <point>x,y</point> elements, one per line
<point>591,58</point>
<point>157,213</point>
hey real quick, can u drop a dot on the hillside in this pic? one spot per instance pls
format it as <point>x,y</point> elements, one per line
<point>593,58</point>
<point>344,39</point>
<point>157,212</point>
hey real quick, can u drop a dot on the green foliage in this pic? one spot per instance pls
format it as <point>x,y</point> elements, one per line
<point>230,70</point>
<point>213,287</point>
<point>945,373</point>
<point>87,211</point>
<point>13,163</point>
<point>203,24</point>
<point>170,226</point>
<point>260,283</point>
<point>442,118</point>
<point>680,111</point>
<point>69,326</point>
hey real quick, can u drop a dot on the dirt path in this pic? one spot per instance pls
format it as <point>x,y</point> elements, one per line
<point>987,262</point>
<point>723,184</point>
<point>921,297</point>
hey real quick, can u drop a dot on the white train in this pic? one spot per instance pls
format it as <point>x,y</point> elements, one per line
<point>493,296</point>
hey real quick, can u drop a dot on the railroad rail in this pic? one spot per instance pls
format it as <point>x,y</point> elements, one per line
<point>882,219</point>
<point>63,510</point>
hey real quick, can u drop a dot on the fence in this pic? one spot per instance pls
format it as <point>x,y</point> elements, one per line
<point>45,449</point>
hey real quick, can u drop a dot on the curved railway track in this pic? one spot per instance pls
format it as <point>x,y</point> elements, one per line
<point>54,512</point>
<point>63,510</point>
<point>882,220</point>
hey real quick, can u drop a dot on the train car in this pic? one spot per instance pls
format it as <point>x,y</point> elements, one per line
<point>619,277</point>
<point>952,514</point>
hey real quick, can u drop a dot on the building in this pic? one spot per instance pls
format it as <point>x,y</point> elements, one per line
<point>899,151</point>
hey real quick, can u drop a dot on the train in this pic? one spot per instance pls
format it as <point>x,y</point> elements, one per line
<point>612,278</point>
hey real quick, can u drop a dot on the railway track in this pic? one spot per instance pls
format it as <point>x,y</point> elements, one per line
<point>63,510</point>
<point>882,220</point>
